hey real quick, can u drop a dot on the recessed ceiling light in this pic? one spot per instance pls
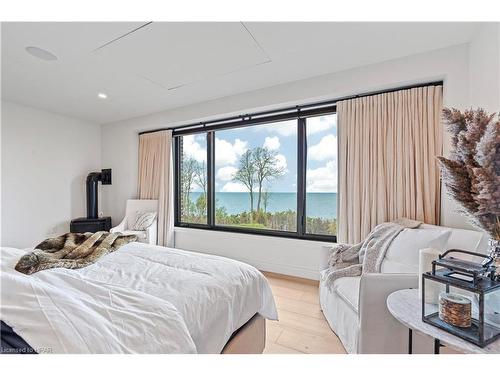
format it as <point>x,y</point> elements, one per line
<point>41,54</point>
<point>102,95</point>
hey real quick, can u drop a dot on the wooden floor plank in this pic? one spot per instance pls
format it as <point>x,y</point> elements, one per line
<point>273,331</point>
<point>299,307</point>
<point>283,291</point>
<point>303,323</point>
<point>295,285</point>
<point>309,343</point>
<point>302,327</point>
<point>273,348</point>
<point>310,297</point>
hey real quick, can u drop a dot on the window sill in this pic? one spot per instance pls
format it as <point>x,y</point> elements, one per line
<point>262,233</point>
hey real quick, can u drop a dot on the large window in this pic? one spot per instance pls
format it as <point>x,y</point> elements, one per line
<point>256,176</point>
<point>276,176</point>
<point>321,175</point>
<point>193,179</point>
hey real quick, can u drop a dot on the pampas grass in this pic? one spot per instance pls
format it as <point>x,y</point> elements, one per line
<point>472,173</point>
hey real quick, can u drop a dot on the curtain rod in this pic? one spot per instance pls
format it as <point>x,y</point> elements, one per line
<point>235,119</point>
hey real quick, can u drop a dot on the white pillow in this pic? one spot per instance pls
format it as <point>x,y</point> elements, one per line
<point>402,256</point>
<point>143,220</point>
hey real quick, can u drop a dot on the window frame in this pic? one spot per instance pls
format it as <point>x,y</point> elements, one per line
<point>248,121</point>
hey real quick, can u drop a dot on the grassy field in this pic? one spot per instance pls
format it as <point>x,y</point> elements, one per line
<point>248,225</point>
<point>282,221</point>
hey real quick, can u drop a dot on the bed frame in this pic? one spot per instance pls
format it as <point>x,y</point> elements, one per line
<point>249,339</point>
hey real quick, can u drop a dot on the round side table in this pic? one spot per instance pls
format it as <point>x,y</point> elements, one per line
<point>406,307</point>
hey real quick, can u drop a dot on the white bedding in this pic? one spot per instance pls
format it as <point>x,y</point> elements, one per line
<point>140,299</point>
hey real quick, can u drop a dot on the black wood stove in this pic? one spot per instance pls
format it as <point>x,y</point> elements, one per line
<point>93,223</point>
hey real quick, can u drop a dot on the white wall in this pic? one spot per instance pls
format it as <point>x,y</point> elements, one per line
<point>484,91</point>
<point>45,160</point>
<point>294,257</point>
<point>484,68</point>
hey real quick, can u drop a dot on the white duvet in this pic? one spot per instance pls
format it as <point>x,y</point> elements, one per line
<point>139,299</point>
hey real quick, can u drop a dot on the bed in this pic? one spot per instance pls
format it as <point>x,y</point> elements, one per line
<point>139,299</point>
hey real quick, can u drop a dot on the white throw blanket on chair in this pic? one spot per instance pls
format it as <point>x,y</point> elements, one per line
<point>366,256</point>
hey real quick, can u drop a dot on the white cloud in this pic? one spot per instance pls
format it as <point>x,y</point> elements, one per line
<point>193,149</point>
<point>227,152</point>
<point>272,143</point>
<point>320,124</point>
<point>283,128</point>
<point>281,162</point>
<point>234,187</point>
<point>314,125</point>
<point>325,149</point>
<point>323,179</point>
<point>226,173</point>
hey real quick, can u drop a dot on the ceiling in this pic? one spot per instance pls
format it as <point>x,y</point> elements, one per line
<point>146,67</point>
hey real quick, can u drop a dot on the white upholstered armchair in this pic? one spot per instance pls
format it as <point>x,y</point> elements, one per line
<point>149,235</point>
<point>356,307</point>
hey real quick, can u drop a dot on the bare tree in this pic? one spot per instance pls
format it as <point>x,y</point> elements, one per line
<point>246,174</point>
<point>266,169</point>
<point>200,176</point>
<point>265,199</point>
<point>200,179</point>
<point>188,173</point>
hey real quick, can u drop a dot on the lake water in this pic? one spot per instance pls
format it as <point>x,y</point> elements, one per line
<point>323,205</point>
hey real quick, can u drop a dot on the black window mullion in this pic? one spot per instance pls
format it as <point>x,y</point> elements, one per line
<point>301,176</point>
<point>301,232</point>
<point>177,179</point>
<point>211,179</point>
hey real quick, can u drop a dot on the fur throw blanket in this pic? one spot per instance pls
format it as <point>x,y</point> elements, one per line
<point>71,250</point>
<point>366,256</point>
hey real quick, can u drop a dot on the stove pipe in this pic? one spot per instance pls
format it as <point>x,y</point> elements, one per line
<point>92,180</point>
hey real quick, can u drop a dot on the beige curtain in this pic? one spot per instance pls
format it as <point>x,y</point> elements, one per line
<point>388,145</point>
<point>156,180</point>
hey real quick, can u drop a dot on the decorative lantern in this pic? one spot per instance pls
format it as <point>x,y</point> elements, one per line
<point>464,308</point>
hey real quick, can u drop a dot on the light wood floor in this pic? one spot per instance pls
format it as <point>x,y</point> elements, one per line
<point>302,328</point>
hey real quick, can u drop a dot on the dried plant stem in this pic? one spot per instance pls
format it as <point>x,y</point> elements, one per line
<point>472,173</point>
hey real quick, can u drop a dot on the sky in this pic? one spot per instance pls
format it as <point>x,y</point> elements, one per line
<point>280,137</point>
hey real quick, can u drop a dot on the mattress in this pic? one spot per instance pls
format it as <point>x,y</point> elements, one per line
<point>139,299</point>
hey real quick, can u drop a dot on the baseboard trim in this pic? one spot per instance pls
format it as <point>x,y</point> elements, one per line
<point>290,278</point>
<point>282,269</point>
